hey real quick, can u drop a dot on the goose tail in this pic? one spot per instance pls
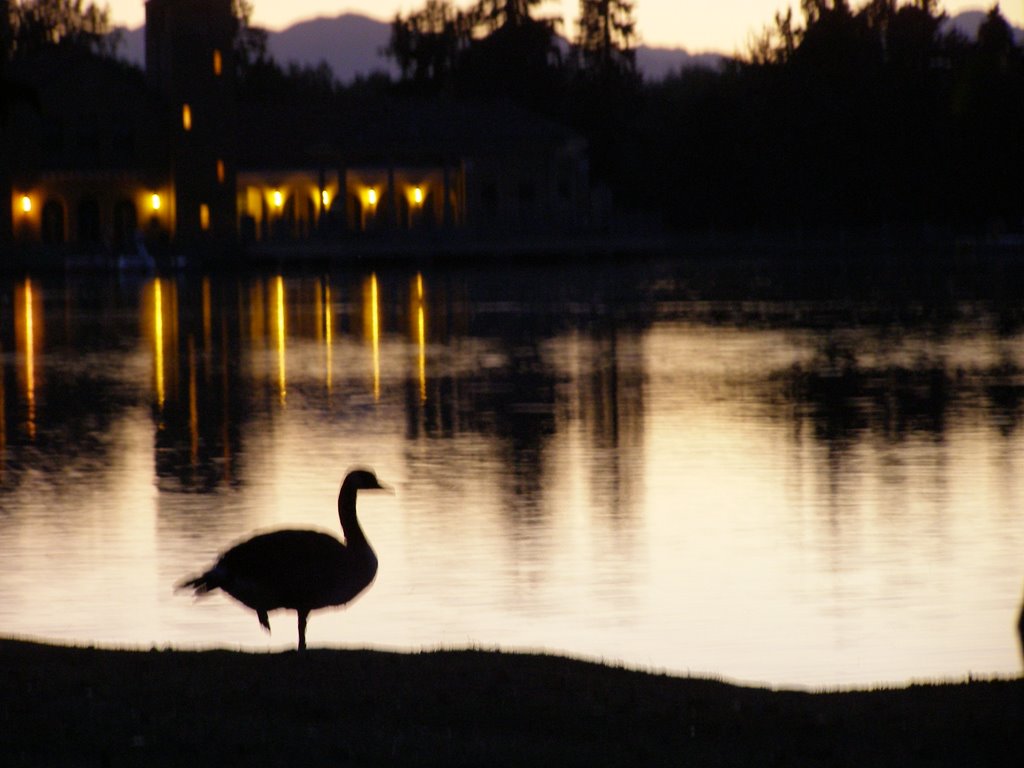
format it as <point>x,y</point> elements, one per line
<point>200,585</point>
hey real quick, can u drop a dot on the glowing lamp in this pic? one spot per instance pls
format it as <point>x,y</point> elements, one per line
<point>325,197</point>
<point>277,198</point>
<point>417,195</point>
<point>154,201</point>
<point>371,196</point>
<point>26,204</point>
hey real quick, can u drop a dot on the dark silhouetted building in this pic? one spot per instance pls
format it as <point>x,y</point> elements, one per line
<point>111,158</point>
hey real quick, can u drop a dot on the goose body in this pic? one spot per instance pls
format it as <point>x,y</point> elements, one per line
<point>300,570</point>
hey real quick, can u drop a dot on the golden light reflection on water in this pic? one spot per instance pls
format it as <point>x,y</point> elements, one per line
<point>328,313</point>
<point>281,344</point>
<point>207,316</point>
<point>421,337</point>
<point>29,346</point>
<point>158,342</point>
<point>661,493</point>
<point>372,324</point>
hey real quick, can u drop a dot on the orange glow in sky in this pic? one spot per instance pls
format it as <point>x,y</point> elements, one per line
<point>724,26</point>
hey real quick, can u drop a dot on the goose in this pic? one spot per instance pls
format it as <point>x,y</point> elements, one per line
<point>299,570</point>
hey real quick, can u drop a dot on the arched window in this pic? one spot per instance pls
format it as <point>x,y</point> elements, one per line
<point>53,223</point>
<point>89,232</point>
<point>126,221</point>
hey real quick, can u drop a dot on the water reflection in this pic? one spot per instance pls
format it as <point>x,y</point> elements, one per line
<point>29,337</point>
<point>373,330</point>
<point>328,325</point>
<point>421,336</point>
<point>607,464</point>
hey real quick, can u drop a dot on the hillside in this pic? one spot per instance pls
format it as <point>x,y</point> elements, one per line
<point>351,45</point>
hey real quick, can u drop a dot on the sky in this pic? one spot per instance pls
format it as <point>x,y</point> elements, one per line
<point>723,26</point>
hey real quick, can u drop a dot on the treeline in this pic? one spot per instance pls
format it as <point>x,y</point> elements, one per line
<point>876,116</point>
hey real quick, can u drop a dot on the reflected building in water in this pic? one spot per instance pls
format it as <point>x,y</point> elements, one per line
<point>459,375</point>
<point>448,356</point>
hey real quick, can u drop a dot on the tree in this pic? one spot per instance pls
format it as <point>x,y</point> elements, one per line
<point>518,60</point>
<point>995,39</point>
<point>427,44</point>
<point>250,47</point>
<point>37,24</point>
<point>495,14</point>
<point>493,48</point>
<point>259,74</point>
<point>775,45</point>
<point>606,37</point>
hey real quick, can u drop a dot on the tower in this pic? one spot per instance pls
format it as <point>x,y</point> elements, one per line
<point>190,64</point>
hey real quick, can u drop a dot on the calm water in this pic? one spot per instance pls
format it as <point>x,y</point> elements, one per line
<point>718,470</point>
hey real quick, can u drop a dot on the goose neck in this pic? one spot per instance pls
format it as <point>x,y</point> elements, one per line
<point>349,519</point>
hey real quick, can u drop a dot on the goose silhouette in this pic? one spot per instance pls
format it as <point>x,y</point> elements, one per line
<point>298,570</point>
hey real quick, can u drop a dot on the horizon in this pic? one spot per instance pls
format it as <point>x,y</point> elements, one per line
<point>661,23</point>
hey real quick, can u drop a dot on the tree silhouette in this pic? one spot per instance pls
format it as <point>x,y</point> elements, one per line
<point>606,38</point>
<point>34,25</point>
<point>427,44</point>
<point>492,49</point>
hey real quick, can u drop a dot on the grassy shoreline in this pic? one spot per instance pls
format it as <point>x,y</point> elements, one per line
<point>83,707</point>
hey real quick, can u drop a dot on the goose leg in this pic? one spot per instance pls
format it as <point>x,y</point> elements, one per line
<point>303,615</point>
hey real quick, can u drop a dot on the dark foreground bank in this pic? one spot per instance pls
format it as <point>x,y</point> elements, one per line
<point>85,707</point>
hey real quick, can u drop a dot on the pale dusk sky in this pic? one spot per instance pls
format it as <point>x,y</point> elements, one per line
<point>723,26</point>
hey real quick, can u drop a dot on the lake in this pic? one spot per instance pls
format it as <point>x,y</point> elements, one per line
<point>801,475</point>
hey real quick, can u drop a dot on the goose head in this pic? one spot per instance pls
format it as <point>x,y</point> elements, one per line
<point>362,480</point>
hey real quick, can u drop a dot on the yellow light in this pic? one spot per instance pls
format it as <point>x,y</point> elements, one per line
<point>154,201</point>
<point>417,195</point>
<point>328,334</point>
<point>371,196</point>
<point>204,216</point>
<point>186,117</point>
<point>26,204</point>
<point>421,333</point>
<point>221,173</point>
<point>30,359</point>
<point>158,341</point>
<point>375,334</point>
<point>421,337</point>
<point>325,197</point>
<point>277,198</point>
<point>218,63</point>
<point>281,378</point>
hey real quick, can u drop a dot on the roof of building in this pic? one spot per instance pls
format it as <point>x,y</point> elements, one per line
<point>390,129</point>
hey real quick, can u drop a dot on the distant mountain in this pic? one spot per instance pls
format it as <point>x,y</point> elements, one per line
<point>967,23</point>
<point>351,45</point>
<point>133,45</point>
<point>659,63</point>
